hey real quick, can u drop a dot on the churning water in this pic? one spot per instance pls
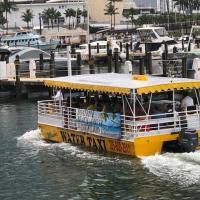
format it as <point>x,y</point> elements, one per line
<point>31,169</point>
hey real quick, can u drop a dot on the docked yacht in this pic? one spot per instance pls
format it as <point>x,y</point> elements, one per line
<point>29,39</point>
<point>155,37</point>
<point>98,48</point>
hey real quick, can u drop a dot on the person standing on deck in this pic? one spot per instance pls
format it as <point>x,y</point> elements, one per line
<point>186,101</point>
<point>58,97</point>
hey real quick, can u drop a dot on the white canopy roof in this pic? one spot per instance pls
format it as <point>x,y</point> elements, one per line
<point>122,83</point>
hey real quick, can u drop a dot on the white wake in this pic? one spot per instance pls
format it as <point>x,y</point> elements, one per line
<point>180,168</point>
<point>32,141</point>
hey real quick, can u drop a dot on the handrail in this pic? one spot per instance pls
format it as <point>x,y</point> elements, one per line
<point>77,119</point>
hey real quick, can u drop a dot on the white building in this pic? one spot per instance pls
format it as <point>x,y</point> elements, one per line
<point>15,20</point>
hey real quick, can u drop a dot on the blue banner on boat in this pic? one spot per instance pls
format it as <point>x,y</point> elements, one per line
<point>99,122</point>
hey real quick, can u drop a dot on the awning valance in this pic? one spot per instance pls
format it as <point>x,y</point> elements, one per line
<point>84,87</point>
<point>123,90</point>
<point>168,87</point>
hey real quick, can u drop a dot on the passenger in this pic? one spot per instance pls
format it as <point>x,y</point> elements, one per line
<point>93,104</point>
<point>58,96</point>
<point>107,107</point>
<point>106,104</point>
<point>187,101</point>
<point>157,113</point>
<point>169,110</point>
<point>170,113</point>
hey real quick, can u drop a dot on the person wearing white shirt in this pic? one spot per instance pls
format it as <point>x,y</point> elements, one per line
<point>186,102</point>
<point>58,98</point>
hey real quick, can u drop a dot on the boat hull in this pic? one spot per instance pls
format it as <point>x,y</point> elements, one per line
<point>143,146</point>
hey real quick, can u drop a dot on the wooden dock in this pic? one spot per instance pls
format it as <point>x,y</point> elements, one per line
<point>23,81</point>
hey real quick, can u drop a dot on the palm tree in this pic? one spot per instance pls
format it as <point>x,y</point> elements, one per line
<point>70,13</point>
<point>52,15</point>
<point>78,14</point>
<point>84,14</point>
<point>2,19</point>
<point>73,14</point>
<point>27,16</point>
<point>7,6</point>
<point>46,15</point>
<point>115,13</point>
<point>67,15</point>
<point>132,12</point>
<point>126,15</point>
<point>196,4</point>
<point>167,3</point>
<point>110,10</point>
<point>182,4</point>
<point>57,16</point>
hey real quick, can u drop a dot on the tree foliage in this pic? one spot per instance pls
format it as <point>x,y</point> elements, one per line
<point>27,16</point>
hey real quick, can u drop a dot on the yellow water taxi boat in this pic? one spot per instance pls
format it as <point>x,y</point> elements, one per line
<point>136,115</point>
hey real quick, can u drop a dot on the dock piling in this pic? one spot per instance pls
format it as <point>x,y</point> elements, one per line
<point>91,65</point>
<point>78,61</point>
<point>52,65</point>
<point>97,47</point>
<point>142,66</point>
<point>164,64</point>
<point>183,44</point>
<point>116,58</point>
<point>17,70</point>
<point>127,51</point>
<point>120,46</point>
<point>109,57</point>
<point>89,51</point>
<point>149,62</point>
<point>184,67</point>
<point>41,62</point>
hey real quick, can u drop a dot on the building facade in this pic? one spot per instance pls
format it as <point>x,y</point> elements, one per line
<point>15,17</point>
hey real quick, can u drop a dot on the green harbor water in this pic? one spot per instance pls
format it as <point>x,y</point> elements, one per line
<point>31,169</point>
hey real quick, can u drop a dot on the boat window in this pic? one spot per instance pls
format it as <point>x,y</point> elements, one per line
<point>171,42</point>
<point>93,47</point>
<point>154,46</point>
<point>82,47</point>
<point>33,54</point>
<point>102,46</point>
<point>13,52</point>
<point>161,32</point>
<point>147,35</point>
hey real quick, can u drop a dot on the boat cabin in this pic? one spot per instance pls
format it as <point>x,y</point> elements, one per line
<point>154,37</point>
<point>135,115</point>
